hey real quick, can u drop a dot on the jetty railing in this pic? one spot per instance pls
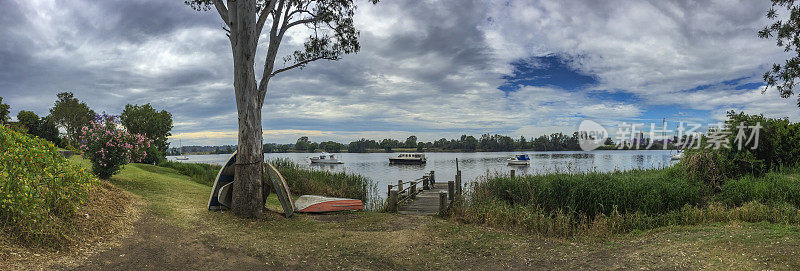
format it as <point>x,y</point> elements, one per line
<point>405,191</point>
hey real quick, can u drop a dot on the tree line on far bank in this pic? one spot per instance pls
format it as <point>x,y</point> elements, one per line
<point>465,143</point>
<point>70,115</point>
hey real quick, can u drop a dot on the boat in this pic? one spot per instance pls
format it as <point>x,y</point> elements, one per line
<point>677,156</point>
<point>519,160</point>
<point>408,158</point>
<point>180,151</point>
<point>222,193</point>
<point>321,204</point>
<point>325,158</point>
<point>221,196</point>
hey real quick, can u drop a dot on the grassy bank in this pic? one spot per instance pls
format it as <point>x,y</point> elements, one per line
<point>368,240</point>
<point>602,204</point>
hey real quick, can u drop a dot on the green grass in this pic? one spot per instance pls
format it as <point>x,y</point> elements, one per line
<point>370,240</point>
<point>772,188</point>
<point>199,173</point>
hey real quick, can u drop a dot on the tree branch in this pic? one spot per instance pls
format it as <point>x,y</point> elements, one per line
<point>262,17</point>
<point>299,64</point>
<point>223,12</point>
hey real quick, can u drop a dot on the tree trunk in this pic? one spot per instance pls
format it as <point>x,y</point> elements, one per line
<point>247,186</point>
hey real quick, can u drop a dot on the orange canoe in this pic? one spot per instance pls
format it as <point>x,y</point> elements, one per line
<point>320,204</point>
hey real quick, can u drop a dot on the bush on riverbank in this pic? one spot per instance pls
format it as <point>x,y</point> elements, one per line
<point>39,190</point>
<point>109,147</point>
<point>775,146</point>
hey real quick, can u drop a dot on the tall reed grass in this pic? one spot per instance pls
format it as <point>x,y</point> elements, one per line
<point>326,183</point>
<point>598,204</point>
<point>647,191</point>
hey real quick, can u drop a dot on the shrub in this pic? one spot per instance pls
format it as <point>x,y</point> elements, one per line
<point>109,147</point>
<point>199,173</point>
<point>777,147</point>
<point>39,189</point>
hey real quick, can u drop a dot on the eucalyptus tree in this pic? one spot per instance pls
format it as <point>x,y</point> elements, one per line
<point>333,34</point>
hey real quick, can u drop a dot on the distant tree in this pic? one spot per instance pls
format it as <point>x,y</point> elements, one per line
<point>609,142</point>
<point>312,147</point>
<point>30,120</point>
<point>5,110</point>
<point>333,35</point>
<point>302,144</point>
<point>269,147</point>
<point>360,146</point>
<point>787,35</point>
<point>155,125</point>
<point>411,142</point>
<point>71,114</point>
<point>330,146</point>
<point>420,146</point>
<point>388,144</point>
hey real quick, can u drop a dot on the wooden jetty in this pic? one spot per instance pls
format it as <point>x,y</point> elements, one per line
<point>424,196</point>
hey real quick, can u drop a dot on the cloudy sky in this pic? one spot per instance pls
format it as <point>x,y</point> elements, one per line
<point>429,68</point>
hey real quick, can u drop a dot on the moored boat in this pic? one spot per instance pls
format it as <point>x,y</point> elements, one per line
<point>325,158</point>
<point>408,158</point>
<point>677,156</point>
<point>519,160</point>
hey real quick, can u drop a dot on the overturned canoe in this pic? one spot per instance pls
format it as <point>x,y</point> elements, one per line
<point>321,204</point>
<point>222,192</point>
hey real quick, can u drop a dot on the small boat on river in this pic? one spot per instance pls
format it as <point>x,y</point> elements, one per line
<point>677,156</point>
<point>408,158</point>
<point>325,158</point>
<point>519,160</point>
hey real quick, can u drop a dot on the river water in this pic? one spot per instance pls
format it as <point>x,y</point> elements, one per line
<point>472,164</point>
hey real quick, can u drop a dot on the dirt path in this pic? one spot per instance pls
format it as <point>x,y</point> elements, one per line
<point>156,245</point>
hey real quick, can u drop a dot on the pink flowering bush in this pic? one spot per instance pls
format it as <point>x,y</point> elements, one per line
<point>109,146</point>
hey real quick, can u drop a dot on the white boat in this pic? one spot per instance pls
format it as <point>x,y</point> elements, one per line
<point>519,160</point>
<point>677,156</point>
<point>408,158</point>
<point>180,150</point>
<point>325,158</point>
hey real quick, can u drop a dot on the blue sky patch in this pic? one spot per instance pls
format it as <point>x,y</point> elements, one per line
<point>552,70</point>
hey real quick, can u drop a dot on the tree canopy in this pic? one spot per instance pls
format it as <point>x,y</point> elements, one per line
<point>787,35</point>
<point>155,125</point>
<point>71,114</point>
<point>4,111</point>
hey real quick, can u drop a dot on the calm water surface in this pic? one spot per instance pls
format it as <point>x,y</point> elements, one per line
<point>473,164</point>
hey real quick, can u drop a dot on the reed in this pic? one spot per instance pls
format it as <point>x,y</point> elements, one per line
<point>647,191</point>
<point>302,181</point>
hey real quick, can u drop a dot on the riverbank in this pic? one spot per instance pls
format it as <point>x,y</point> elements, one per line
<point>176,231</point>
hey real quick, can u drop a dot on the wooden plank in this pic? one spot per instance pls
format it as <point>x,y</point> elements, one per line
<point>426,202</point>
